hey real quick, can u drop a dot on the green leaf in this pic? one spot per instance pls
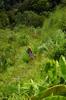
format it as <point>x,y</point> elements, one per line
<point>55,98</point>
<point>62,63</point>
<point>55,90</point>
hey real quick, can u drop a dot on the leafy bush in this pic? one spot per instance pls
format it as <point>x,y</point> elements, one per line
<point>53,71</point>
<point>48,71</point>
<point>7,58</point>
<point>54,37</point>
<point>59,49</point>
<point>4,21</point>
<point>23,40</point>
<point>18,18</point>
<point>57,20</point>
<point>39,5</point>
<point>63,2</point>
<point>42,48</point>
<point>32,19</point>
<point>3,63</point>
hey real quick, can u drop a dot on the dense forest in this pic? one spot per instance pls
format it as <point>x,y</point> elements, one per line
<point>32,49</point>
<point>14,12</point>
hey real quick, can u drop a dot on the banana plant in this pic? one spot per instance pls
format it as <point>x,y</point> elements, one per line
<point>55,71</point>
<point>51,91</point>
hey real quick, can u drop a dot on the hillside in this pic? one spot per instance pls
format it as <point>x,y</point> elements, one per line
<point>32,50</point>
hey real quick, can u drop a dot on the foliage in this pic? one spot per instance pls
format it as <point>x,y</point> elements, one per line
<point>39,5</point>
<point>32,19</point>
<point>23,40</point>
<point>4,21</point>
<point>57,20</point>
<point>55,91</point>
<point>63,66</point>
<point>16,11</point>
<point>7,58</point>
<point>51,87</point>
<point>54,70</point>
<point>63,2</point>
<point>54,36</point>
<point>25,57</point>
<point>43,77</point>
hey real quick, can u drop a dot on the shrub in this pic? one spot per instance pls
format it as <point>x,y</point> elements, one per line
<point>23,40</point>
<point>4,21</point>
<point>42,48</point>
<point>48,72</point>
<point>59,49</point>
<point>39,5</point>
<point>54,37</point>
<point>57,54</point>
<point>53,71</point>
<point>18,18</point>
<point>3,63</point>
<point>7,58</point>
<point>63,2</point>
<point>57,20</point>
<point>32,19</point>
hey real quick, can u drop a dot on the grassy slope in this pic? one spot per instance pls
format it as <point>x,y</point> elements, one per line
<point>21,69</point>
<point>26,71</point>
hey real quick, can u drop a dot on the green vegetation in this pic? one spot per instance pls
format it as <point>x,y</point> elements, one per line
<point>32,49</point>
